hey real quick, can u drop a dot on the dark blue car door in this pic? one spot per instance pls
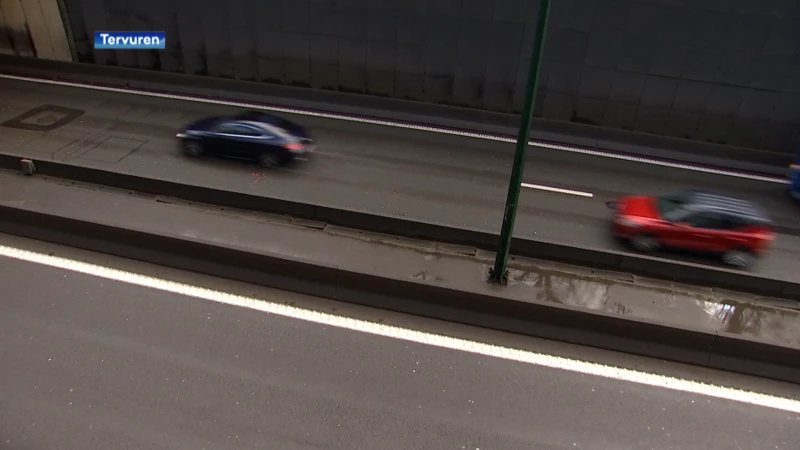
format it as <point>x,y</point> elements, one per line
<point>218,139</point>
<point>238,140</point>
<point>252,140</point>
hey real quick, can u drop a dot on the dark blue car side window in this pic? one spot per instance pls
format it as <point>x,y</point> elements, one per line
<point>246,130</point>
<point>269,132</point>
<point>226,128</point>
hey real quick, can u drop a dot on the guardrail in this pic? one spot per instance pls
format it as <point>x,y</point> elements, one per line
<point>559,322</point>
<point>642,265</point>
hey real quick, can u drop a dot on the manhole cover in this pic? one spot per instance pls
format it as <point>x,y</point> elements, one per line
<point>44,118</point>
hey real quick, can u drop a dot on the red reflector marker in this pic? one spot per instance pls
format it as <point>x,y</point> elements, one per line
<point>293,146</point>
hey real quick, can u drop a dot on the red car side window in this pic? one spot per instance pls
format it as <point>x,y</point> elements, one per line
<point>705,220</point>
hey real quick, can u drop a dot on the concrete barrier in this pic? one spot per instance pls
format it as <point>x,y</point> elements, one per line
<point>731,352</point>
<point>642,265</point>
<point>549,321</point>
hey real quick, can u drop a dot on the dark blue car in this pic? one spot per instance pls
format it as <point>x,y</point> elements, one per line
<point>258,136</point>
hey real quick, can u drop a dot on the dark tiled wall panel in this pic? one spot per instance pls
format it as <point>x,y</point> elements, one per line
<point>724,71</point>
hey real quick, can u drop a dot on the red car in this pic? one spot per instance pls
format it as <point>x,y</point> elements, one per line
<point>696,221</point>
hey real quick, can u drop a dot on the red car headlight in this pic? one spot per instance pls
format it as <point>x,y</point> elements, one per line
<point>628,222</point>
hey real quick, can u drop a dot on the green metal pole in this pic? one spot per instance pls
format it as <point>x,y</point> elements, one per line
<point>498,273</point>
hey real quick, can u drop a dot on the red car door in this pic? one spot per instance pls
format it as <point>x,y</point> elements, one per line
<point>733,233</point>
<point>706,231</point>
<point>675,235</point>
<point>674,231</point>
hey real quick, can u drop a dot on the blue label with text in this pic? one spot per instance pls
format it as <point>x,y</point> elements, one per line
<point>130,40</point>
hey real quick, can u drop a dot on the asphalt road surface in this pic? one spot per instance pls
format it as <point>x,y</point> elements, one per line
<point>412,174</point>
<point>91,363</point>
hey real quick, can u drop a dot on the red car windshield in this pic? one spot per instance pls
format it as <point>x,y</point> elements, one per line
<point>671,206</point>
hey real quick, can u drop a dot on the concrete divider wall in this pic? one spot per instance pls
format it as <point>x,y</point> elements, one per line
<point>548,321</point>
<point>602,259</point>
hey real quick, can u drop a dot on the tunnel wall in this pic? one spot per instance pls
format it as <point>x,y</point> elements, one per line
<point>711,70</point>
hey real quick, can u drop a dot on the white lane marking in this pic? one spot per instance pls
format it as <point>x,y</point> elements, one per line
<point>408,126</point>
<point>538,359</point>
<point>558,190</point>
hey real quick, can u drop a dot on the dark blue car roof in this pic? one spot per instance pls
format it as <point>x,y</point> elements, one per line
<point>258,116</point>
<point>269,122</point>
<point>265,117</point>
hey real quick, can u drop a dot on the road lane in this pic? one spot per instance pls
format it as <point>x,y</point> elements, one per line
<point>424,176</point>
<point>93,364</point>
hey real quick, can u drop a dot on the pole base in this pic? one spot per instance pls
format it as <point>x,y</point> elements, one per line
<point>499,279</point>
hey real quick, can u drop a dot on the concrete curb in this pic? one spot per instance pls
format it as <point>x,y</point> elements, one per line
<point>647,266</point>
<point>590,137</point>
<point>548,321</point>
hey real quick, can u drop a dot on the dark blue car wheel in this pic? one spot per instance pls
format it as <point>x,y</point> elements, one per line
<point>192,148</point>
<point>269,160</point>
